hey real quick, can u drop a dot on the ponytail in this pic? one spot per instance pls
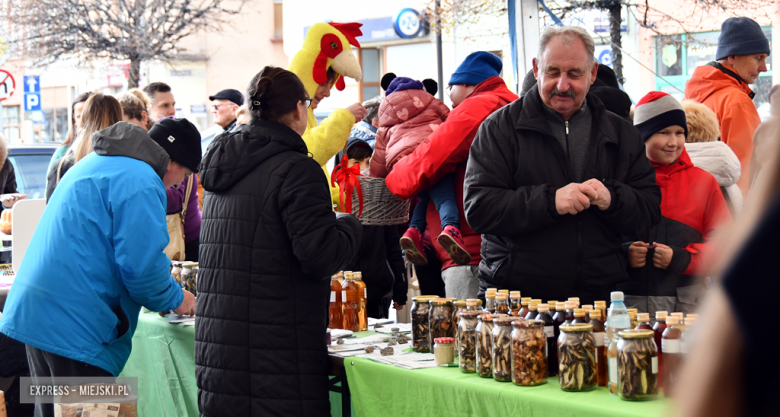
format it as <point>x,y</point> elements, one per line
<point>274,93</point>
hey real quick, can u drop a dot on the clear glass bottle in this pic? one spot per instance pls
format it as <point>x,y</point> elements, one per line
<point>458,306</point>
<point>670,346</point>
<point>643,320</point>
<point>502,349</point>
<point>577,358</point>
<point>467,341</point>
<point>637,365</point>
<point>599,337</point>
<point>440,320</point>
<point>617,321</point>
<point>490,302</point>
<point>533,311</point>
<point>350,295</point>
<point>502,304</point>
<point>363,301</point>
<point>524,306</point>
<point>529,353</point>
<point>514,303</point>
<point>420,330</point>
<point>580,317</point>
<point>485,345</point>
<point>658,330</point>
<point>335,311</point>
<point>551,347</point>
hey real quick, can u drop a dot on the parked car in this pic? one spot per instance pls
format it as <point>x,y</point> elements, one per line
<point>31,164</point>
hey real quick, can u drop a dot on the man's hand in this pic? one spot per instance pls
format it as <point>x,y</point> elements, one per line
<point>637,254</point>
<point>187,307</point>
<point>10,200</point>
<point>398,306</point>
<point>662,256</point>
<point>358,111</point>
<point>571,200</point>
<point>603,197</point>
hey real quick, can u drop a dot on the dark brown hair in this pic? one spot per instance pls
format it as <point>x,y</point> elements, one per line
<point>81,98</point>
<point>359,152</point>
<point>156,87</point>
<point>273,93</point>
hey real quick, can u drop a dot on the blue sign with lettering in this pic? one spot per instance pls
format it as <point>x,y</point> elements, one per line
<point>32,93</point>
<point>406,24</point>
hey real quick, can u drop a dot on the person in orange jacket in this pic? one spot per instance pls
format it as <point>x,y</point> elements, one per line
<point>723,86</point>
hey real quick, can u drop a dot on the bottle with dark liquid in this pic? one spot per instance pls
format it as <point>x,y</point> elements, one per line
<point>514,303</point>
<point>524,306</point>
<point>490,301</point>
<point>576,301</point>
<point>533,311</point>
<point>502,305</point>
<point>600,337</point>
<point>335,316</point>
<point>350,293</point>
<point>658,330</point>
<point>601,306</point>
<point>552,342</point>
<point>644,322</point>
<point>579,317</point>
<point>570,306</point>
<point>670,345</point>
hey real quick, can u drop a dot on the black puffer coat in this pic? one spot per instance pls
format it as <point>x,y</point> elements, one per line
<point>515,167</point>
<point>268,246</point>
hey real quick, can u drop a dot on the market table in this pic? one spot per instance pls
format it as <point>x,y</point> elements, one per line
<point>383,390</point>
<point>163,359</point>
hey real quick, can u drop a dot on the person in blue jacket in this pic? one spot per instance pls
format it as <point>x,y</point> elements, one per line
<point>97,254</point>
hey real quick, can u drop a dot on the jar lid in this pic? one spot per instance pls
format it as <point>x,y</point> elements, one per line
<point>600,304</point>
<point>441,301</point>
<point>570,305</point>
<point>469,314</point>
<point>358,275</point>
<point>472,302</point>
<point>490,295</point>
<point>587,307</point>
<point>514,295</point>
<point>576,300</point>
<point>643,317</point>
<point>533,305</point>
<point>444,340</point>
<point>503,292</point>
<point>578,312</point>
<point>636,334</point>
<point>552,304</point>
<point>692,315</point>
<point>523,324</point>
<point>459,303</point>
<point>491,289</point>
<point>536,300</point>
<point>501,296</point>
<point>672,320</point>
<point>595,314</point>
<point>506,321</point>
<point>581,327</point>
<point>423,298</point>
<point>690,321</point>
<point>635,310</point>
<point>189,264</point>
<point>661,315</point>
<point>543,308</point>
<point>679,315</point>
<point>526,299</point>
<point>560,306</point>
<point>632,314</point>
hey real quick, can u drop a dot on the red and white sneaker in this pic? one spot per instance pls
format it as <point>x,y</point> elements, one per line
<point>451,240</point>
<point>412,245</point>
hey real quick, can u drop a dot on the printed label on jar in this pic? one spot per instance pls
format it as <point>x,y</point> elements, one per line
<point>670,345</point>
<point>655,365</point>
<point>549,331</point>
<point>365,293</point>
<point>333,296</point>
<point>613,370</point>
<point>601,338</point>
<point>606,339</point>
<point>343,296</point>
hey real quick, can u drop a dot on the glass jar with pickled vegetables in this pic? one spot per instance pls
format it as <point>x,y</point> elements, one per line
<point>577,358</point>
<point>440,321</point>
<point>502,348</point>
<point>529,352</point>
<point>420,329</point>
<point>467,341</point>
<point>458,306</point>
<point>502,304</point>
<point>188,277</point>
<point>637,365</point>
<point>176,271</point>
<point>484,333</point>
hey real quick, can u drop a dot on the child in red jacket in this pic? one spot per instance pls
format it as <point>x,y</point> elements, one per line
<point>664,262</point>
<point>407,116</point>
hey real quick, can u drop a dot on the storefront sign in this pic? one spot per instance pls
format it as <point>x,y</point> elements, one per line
<point>405,25</point>
<point>408,23</point>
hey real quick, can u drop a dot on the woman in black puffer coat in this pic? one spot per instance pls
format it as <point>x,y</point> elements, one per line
<point>268,247</point>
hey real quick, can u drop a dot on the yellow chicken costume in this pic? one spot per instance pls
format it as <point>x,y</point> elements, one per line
<point>327,45</point>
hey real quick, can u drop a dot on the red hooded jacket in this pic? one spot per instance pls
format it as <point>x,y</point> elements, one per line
<point>446,152</point>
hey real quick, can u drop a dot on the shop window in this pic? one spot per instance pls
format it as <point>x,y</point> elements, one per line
<point>49,125</point>
<point>278,21</point>
<point>370,63</point>
<point>668,54</point>
<point>12,124</point>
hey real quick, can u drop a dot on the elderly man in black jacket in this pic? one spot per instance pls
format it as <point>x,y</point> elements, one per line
<point>554,179</point>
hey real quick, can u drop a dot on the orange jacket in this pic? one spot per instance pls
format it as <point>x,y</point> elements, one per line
<point>731,101</point>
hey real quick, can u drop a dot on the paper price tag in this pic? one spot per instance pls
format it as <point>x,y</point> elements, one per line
<point>613,377</point>
<point>343,296</point>
<point>600,338</point>
<point>549,331</point>
<point>333,296</point>
<point>655,365</point>
<point>670,345</point>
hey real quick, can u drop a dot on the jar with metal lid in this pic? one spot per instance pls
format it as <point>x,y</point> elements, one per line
<point>467,341</point>
<point>444,350</point>
<point>188,279</point>
<point>529,352</point>
<point>176,271</point>
<point>440,320</point>
<point>420,329</point>
<point>502,348</point>
<point>484,334</point>
<point>637,365</point>
<point>577,358</point>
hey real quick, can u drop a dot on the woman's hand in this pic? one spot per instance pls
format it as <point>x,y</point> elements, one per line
<point>10,200</point>
<point>637,254</point>
<point>662,256</point>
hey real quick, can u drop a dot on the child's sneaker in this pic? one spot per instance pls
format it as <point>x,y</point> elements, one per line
<point>412,245</point>
<point>452,242</point>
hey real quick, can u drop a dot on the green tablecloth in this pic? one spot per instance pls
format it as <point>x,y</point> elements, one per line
<point>377,388</point>
<point>163,359</point>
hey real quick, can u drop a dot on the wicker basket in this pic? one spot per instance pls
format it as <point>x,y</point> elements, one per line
<point>380,206</point>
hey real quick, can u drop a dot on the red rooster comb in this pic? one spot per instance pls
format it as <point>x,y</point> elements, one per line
<point>350,30</point>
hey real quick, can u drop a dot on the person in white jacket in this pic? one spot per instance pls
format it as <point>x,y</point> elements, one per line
<point>710,154</point>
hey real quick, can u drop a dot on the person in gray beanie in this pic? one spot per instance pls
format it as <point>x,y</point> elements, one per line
<point>723,86</point>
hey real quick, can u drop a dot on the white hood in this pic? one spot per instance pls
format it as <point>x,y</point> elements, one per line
<point>717,159</point>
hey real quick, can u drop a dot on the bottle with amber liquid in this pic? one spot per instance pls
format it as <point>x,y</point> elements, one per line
<point>643,320</point>
<point>680,319</point>
<point>524,307</point>
<point>551,348</point>
<point>533,310</point>
<point>601,306</point>
<point>502,304</point>
<point>658,331</point>
<point>363,300</point>
<point>632,314</point>
<point>514,303</point>
<point>599,337</point>
<point>670,345</point>
<point>335,316</point>
<point>350,294</point>
<point>490,301</point>
<point>580,317</point>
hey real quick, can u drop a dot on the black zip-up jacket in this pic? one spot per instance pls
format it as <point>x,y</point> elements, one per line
<point>269,244</point>
<point>515,167</point>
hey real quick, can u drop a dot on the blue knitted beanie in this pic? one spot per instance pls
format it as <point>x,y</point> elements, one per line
<point>477,67</point>
<point>403,83</point>
<point>741,36</point>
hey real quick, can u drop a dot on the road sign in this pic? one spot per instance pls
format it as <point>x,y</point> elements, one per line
<point>32,93</point>
<point>7,85</point>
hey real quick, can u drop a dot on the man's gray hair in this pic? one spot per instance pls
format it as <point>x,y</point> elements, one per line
<point>569,32</point>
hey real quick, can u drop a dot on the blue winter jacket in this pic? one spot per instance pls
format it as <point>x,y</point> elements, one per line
<point>97,255</point>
